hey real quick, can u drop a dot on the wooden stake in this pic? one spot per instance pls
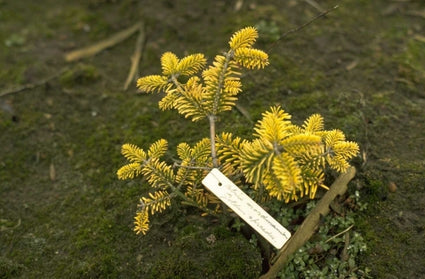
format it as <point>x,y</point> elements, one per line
<point>308,227</point>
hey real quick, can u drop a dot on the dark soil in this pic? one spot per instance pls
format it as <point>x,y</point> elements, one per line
<point>63,212</point>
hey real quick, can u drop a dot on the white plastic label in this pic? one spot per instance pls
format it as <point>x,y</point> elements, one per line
<point>246,208</point>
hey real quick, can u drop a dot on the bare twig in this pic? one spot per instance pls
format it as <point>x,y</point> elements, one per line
<point>238,5</point>
<point>52,172</point>
<point>344,253</point>
<point>340,233</point>
<point>416,13</point>
<point>4,228</point>
<point>32,85</point>
<point>212,119</point>
<point>419,38</point>
<point>314,4</point>
<point>191,167</point>
<point>307,228</point>
<point>102,45</point>
<point>244,112</point>
<point>302,26</point>
<point>135,58</point>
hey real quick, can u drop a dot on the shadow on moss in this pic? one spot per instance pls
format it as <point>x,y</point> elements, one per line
<point>10,269</point>
<point>208,255</point>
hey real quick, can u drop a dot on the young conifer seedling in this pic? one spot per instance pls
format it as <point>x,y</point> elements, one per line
<point>284,161</point>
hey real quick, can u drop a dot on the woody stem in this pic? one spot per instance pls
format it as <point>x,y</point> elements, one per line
<point>212,119</point>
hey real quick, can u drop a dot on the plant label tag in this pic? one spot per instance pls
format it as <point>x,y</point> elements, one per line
<point>246,208</point>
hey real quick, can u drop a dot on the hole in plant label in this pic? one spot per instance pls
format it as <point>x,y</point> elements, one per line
<point>246,208</point>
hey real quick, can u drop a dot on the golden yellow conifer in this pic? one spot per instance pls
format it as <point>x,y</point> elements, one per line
<point>283,160</point>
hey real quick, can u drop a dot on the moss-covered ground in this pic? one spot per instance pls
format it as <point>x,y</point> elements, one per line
<point>63,212</point>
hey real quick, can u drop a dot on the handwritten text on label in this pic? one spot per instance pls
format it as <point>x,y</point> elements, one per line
<point>246,208</point>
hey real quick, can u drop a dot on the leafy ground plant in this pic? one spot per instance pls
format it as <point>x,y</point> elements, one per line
<point>281,161</point>
<point>333,251</point>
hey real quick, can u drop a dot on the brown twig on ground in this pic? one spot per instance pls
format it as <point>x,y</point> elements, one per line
<point>416,13</point>
<point>344,253</point>
<point>32,85</point>
<point>302,26</point>
<point>135,58</point>
<point>5,228</point>
<point>315,5</point>
<point>308,227</point>
<point>338,234</point>
<point>102,45</point>
<point>419,38</point>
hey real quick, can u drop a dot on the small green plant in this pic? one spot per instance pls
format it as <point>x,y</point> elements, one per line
<point>333,251</point>
<point>283,160</point>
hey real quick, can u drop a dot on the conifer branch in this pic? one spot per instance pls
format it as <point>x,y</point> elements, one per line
<point>141,222</point>
<point>220,84</point>
<point>192,167</point>
<point>188,101</point>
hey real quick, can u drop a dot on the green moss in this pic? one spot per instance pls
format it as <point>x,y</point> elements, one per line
<point>174,264</point>
<point>411,69</point>
<point>193,256</point>
<point>81,74</point>
<point>80,224</point>
<point>100,266</point>
<point>269,31</point>
<point>82,20</point>
<point>9,268</point>
<point>14,75</point>
<point>415,54</point>
<point>292,75</point>
<point>302,102</point>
